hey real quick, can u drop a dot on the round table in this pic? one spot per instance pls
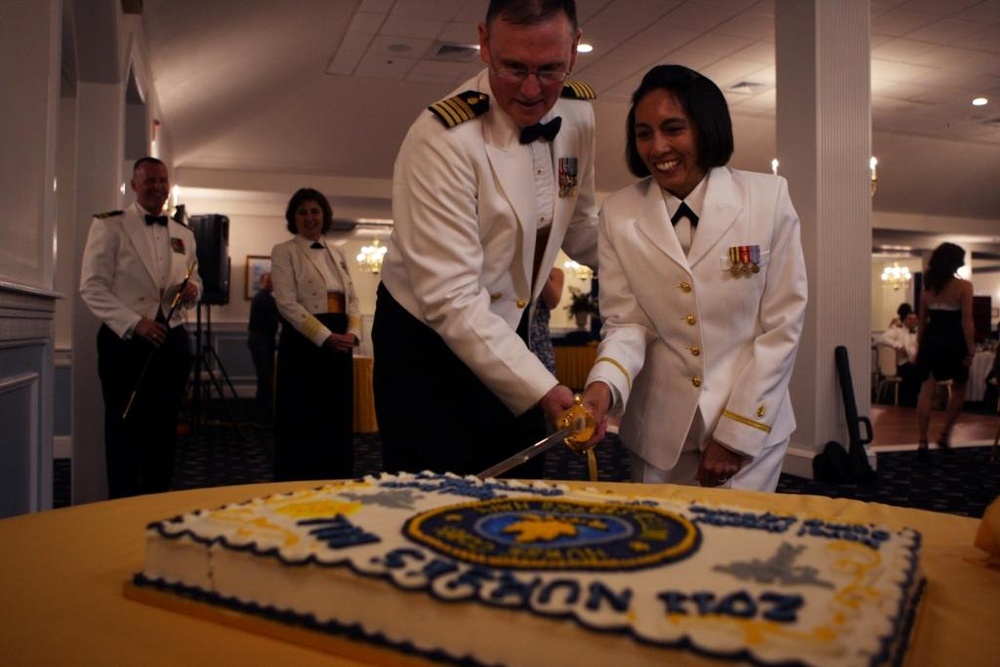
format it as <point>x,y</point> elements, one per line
<point>982,364</point>
<point>62,574</point>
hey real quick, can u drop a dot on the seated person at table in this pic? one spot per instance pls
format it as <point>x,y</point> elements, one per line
<point>901,313</point>
<point>904,340</point>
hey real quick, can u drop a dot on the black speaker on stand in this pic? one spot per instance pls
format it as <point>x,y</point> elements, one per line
<point>211,235</point>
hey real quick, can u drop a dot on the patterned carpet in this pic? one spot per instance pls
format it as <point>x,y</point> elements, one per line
<point>961,481</point>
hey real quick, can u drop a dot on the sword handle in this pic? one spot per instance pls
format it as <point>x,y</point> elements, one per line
<point>581,424</point>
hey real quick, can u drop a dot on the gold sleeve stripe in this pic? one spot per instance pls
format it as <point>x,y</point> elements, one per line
<point>747,421</point>
<point>311,326</point>
<point>628,378</point>
<point>578,90</point>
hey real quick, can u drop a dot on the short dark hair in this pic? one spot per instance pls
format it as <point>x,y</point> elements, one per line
<point>146,160</point>
<point>904,310</point>
<point>530,12</point>
<point>703,103</point>
<point>303,195</point>
<point>942,265</point>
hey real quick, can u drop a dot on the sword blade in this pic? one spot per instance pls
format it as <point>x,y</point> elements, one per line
<point>526,454</point>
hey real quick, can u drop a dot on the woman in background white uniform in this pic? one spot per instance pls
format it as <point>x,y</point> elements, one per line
<point>702,318</point>
<point>314,398</point>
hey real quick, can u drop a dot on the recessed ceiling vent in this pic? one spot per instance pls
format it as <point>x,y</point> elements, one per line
<point>454,53</point>
<point>747,88</point>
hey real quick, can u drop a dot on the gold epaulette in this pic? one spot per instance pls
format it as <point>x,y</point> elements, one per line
<point>577,90</point>
<point>108,214</point>
<point>460,108</point>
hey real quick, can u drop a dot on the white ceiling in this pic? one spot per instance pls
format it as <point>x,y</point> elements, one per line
<point>329,87</point>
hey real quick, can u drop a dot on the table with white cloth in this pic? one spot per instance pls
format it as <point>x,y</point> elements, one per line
<point>982,363</point>
<point>62,574</point>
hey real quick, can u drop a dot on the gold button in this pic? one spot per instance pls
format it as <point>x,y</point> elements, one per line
<point>685,286</point>
<point>494,297</point>
<point>521,303</point>
<point>695,350</point>
<point>696,380</point>
<point>691,319</point>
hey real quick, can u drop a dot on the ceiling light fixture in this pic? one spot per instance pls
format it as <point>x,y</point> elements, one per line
<point>370,257</point>
<point>585,48</point>
<point>896,276</point>
<point>980,102</point>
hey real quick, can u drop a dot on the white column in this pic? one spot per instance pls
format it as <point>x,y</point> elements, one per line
<point>100,118</point>
<point>824,143</point>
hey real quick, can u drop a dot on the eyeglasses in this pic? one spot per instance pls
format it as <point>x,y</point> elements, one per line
<point>519,74</point>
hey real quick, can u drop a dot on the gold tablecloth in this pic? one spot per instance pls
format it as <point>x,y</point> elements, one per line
<point>62,572</point>
<point>573,363</point>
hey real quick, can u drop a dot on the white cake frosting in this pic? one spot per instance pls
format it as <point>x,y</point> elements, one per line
<point>501,572</point>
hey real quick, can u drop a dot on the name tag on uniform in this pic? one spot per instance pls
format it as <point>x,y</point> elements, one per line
<point>177,245</point>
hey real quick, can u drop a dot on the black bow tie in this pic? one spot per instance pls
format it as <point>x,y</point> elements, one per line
<point>156,220</point>
<point>547,131</point>
<point>316,245</point>
<point>684,211</point>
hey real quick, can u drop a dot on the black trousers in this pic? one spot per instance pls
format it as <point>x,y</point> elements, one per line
<point>433,412</point>
<point>314,407</point>
<point>139,451</point>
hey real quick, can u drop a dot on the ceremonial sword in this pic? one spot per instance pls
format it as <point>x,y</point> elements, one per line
<point>577,427</point>
<point>173,307</point>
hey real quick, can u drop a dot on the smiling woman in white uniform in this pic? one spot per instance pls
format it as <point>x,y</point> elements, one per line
<point>701,318</point>
<point>314,399</point>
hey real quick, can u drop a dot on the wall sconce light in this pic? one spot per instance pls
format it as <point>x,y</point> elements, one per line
<point>896,276</point>
<point>370,257</point>
<point>579,270</point>
<point>872,164</point>
<point>774,166</point>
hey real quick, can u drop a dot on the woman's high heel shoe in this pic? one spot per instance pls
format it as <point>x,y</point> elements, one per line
<point>944,443</point>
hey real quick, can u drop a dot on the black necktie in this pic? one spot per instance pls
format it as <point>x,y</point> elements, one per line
<point>547,131</point>
<point>316,245</point>
<point>156,220</point>
<point>684,211</point>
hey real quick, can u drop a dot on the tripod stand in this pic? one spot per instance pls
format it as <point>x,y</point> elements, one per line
<point>207,360</point>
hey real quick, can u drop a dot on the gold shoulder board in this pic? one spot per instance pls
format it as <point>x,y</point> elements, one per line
<point>577,90</point>
<point>108,214</point>
<point>460,108</point>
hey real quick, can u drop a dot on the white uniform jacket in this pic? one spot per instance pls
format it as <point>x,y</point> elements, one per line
<point>462,247</point>
<point>685,332</point>
<point>300,288</point>
<point>118,274</point>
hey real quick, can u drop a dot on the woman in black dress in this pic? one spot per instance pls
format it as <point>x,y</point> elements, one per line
<point>945,338</point>
<point>314,400</point>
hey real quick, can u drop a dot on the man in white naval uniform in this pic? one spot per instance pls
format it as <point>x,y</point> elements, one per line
<point>134,263</point>
<point>483,199</point>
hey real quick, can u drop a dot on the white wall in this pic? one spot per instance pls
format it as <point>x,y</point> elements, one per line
<point>257,223</point>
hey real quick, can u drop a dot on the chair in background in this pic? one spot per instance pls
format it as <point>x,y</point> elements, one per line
<point>888,373</point>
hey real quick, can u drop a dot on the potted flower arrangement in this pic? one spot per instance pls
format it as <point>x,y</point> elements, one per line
<point>581,306</point>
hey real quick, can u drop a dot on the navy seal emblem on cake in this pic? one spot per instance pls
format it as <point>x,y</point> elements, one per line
<point>555,534</point>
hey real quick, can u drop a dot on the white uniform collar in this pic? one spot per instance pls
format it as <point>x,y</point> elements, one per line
<point>695,199</point>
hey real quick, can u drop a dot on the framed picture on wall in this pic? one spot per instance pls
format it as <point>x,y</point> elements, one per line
<point>256,266</point>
